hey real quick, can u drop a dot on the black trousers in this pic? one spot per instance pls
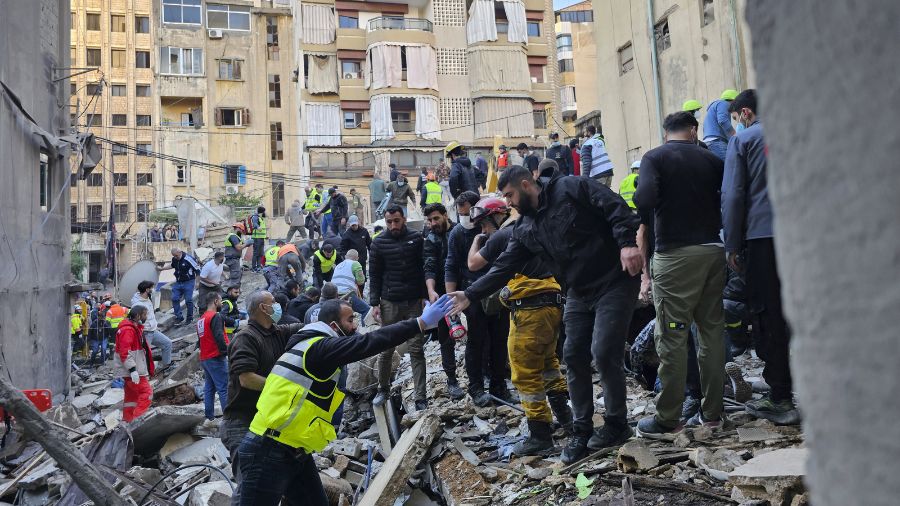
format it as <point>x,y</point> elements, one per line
<point>486,349</point>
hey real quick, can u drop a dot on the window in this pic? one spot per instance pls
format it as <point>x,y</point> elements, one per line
<point>95,179</point>
<point>142,90</point>
<point>120,179</point>
<point>577,16</point>
<point>143,178</point>
<point>93,22</point>
<point>566,65</point>
<point>707,11</point>
<point>232,117</point>
<point>141,24</point>
<point>277,195</point>
<point>94,213</point>
<point>118,90</point>
<point>540,119</point>
<point>181,11</point>
<point>73,88</point>
<point>142,148</point>
<point>534,28</point>
<point>74,24</point>
<point>118,58</point>
<point>119,150</point>
<point>537,73</point>
<point>230,69</point>
<point>348,22</point>
<point>180,175</point>
<point>142,120</point>
<point>120,213</point>
<point>352,119</point>
<point>143,211</point>
<point>94,120</point>
<point>502,26</point>
<point>564,42</point>
<point>142,59</point>
<point>117,23</point>
<point>232,173</point>
<point>73,180</point>
<point>272,37</point>
<point>228,17</point>
<point>274,90</point>
<point>94,89</point>
<point>661,34</point>
<point>44,190</point>
<point>181,61</point>
<point>73,213</point>
<point>92,57</point>
<point>626,58</point>
<point>119,120</point>
<point>276,140</point>
<point>351,69</point>
<point>402,121</point>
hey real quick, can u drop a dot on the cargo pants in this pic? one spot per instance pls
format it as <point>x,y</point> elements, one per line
<point>532,357</point>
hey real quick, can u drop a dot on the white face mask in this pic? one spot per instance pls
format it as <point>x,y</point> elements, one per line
<point>466,222</point>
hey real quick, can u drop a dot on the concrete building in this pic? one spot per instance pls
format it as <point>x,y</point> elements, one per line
<point>34,203</point>
<point>388,81</point>
<point>576,55</point>
<point>695,50</point>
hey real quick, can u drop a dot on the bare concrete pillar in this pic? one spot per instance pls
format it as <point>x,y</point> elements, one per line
<point>830,106</point>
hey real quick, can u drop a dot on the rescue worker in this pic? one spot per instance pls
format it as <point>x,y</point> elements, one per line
<point>97,333</point>
<point>350,280</point>
<point>234,248</point>
<point>462,175</point>
<point>276,455</point>
<point>289,259</point>
<point>629,185</point>
<point>115,314</point>
<point>134,363</point>
<point>324,261</point>
<point>295,220</point>
<point>535,302</point>
<point>503,157</point>
<point>692,106</point>
<point>259,234</point>
<point>717,129</point>
<point>230,309</point>
<point>76,325</point>
<point>432,193</point>
<point>313,202</point>
<point>213,343</point>
<point>271,255</point>
<point>595,161</point>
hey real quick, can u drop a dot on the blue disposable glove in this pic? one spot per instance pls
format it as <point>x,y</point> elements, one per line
<point>434,313</point>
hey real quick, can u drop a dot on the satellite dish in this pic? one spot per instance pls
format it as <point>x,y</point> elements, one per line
<point>145,270</point>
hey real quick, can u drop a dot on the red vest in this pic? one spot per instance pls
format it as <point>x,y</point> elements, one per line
<point>208,347</point>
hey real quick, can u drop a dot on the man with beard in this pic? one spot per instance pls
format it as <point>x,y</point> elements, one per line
<point>590,234</point>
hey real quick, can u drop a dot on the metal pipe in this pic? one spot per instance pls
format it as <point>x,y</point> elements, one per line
<point>736,47</point>
<point>654,60</point>
<point>501,401</point>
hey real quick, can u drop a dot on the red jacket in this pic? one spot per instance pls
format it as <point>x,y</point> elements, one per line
<point>132,350</point>
<point>213,340</point>
<point>576,157</point>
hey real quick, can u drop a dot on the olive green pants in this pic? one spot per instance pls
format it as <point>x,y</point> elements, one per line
<point>687,287</point>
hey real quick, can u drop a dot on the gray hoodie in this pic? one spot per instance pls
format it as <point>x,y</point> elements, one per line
<point>150,325</point>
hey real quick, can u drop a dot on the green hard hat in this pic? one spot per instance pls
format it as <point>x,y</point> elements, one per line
<point>729,94</point>
<point>691,105</point>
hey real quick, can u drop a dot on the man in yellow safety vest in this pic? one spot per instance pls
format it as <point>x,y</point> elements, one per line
<point>629,184</point>
<point>324,261</point>
<point>432,192</point>
<point>259,235</point>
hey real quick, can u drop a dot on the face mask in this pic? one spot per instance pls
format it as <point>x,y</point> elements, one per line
<point>401,183</point>
<point>466,222</point>
<point>739,127</point>
<point>276,313</point>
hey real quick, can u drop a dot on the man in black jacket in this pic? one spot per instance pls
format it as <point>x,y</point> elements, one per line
<point>589,233</point>
<point>462,175</point>
<point>298,306</point>
<point>396,292</point>
<point>435,256</point>
<point>356,237</point>
<point>340,210</point>
<point>561,154</point>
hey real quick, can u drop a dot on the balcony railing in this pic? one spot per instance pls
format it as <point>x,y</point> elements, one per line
<point>404,125</point>
<point>396,23</point>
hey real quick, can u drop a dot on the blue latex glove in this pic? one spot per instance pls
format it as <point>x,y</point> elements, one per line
<point>434,313</point>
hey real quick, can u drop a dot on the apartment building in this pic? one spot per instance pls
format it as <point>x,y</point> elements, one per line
<point>394,82</point>
<point>226,99</point>
<point>653,56</point>
<point>576,56</point>
<point>112,96</point>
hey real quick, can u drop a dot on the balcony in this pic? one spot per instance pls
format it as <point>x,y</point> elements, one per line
<point>399,29</point>
<point>398,23</point>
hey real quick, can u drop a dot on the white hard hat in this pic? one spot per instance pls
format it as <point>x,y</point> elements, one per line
<point>636,164</point>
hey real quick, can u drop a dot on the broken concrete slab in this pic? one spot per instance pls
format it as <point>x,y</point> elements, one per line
<point>636,456</point>
<point>459,481</point>
<point>751,434</point>
<point>538,473</point>
<point>187,367</point>
<point>174,443</point>
<point>175,394</point>
<point>776,476</point>
<point>341,462</point>
<point>64,414</point>
<point>466,453</point>
<point>350,447</point>
<point>215,493</point>
<point>111,397</point>
<point>334,488</point>
<point>205,451</point>
<point>83,403</point>
<point>716,463</point>
<point>151,429</point>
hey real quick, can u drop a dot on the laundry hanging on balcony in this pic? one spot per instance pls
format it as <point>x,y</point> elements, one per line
<point>515,16</point>
<point>482,23</point>
<point>383,67</point>
<point>322,73</point>
<point>503,116</point>
<point>502,68</point>
<point>323,124</point>
<point>382,127</point>
<point>318,24</point>
<point>428,122</point>
<point>421,67</point>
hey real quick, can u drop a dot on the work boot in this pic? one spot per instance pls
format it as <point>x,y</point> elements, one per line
<point>559,405</point>
<point>576,449</point>
<point>612,433</point>
<point>689,408</point>
<point>480,398</point>
<point>503,394</point>
<point>380,398</point>
<point>743,391</point>
<point>454,391</point>
<point>539,439</point>
<point>779,412</point>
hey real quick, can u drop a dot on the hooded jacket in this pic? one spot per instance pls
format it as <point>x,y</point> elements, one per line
<point>132,350</point>
<point>150,325</point>
<point>462,177</point>
<point>435,255</point>
<point>359,240</point>
<point>400,193</point>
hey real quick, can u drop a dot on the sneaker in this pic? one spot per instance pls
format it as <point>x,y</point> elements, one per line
<point>380,398</point>
<point>576,449</point>
<point>480,398</point>
<point>455,392</point>
<point>743,391</point>
<point>698,421</point>
<point>178,321</point>
<point>690,408</point>
<point>610,434</point>
<point>649,428</point>
<point>421,404</point>
<point>780,413</point>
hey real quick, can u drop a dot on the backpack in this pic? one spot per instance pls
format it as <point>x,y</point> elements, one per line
<point>248,224</point>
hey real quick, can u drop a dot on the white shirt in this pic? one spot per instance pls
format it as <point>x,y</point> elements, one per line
<point>212,272</point>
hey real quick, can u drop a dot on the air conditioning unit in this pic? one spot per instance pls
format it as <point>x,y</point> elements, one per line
<point>231,189</point>
<point>215,34</point>
<point>349,76</point>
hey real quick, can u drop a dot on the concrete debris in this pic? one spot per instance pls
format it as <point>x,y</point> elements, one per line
<point>775,476</point>
<point>636,456</point>
<point>151,429</point>
<point>538,473</point>
<point>205,451</point>
<point>112,397</point>
<point>216,493</point>
<point>175,443</point>
<point>175,394</point>
<point>65,414</point>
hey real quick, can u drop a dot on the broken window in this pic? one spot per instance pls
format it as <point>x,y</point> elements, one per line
<point>232,174</point>
<point>44,182</point>
<point>277,194</point>
<point>272,37</point>
<point>276,141</point>
<point>180,176</point>
<point>661,34</point>
<point>626,58</point>
<point>230,69</point>
<point>181,61</point>
<point>707,11</point>
<point>274,90</point>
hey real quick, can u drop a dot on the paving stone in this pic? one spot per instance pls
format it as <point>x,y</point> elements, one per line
<point>776,476</point>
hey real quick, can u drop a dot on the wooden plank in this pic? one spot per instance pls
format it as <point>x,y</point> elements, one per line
<point>384,433</point>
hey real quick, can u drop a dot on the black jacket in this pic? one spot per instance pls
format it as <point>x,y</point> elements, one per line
<point>395,267</point>
<point>456,269</point>
<point>338,206</point>
<point>298,306</point>
<point>359,240</point>
<point>462,177</point>
<point>562,155</point>
<point>580,226</point>
<point>434,253</point>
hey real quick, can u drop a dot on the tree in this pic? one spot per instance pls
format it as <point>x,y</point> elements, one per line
<point>242,203</point>
<point>77,261</point>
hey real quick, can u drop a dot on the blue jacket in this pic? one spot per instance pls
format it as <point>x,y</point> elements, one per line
<point>718,121</point>
<point>746,210</point>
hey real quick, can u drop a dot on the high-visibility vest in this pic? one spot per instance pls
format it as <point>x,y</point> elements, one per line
<point>295,407</point>
<point>627,189</point>
<point>272,255</point>
<point>432,193</point>
<point>260,231</point>
<point>76,323</point>
<point>115,314</point>
<point>228,240</point>
<point>503,160</point>
<point>288,248</point>
<point>229,308</point>
<point>327,263</point>
<point>311,203</point>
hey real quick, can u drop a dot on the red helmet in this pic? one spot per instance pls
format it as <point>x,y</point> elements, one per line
<point>487,207</point>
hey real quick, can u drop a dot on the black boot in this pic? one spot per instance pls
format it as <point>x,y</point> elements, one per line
<point>559,404</point>
<point>538,441</point>
<point>613,433</point>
